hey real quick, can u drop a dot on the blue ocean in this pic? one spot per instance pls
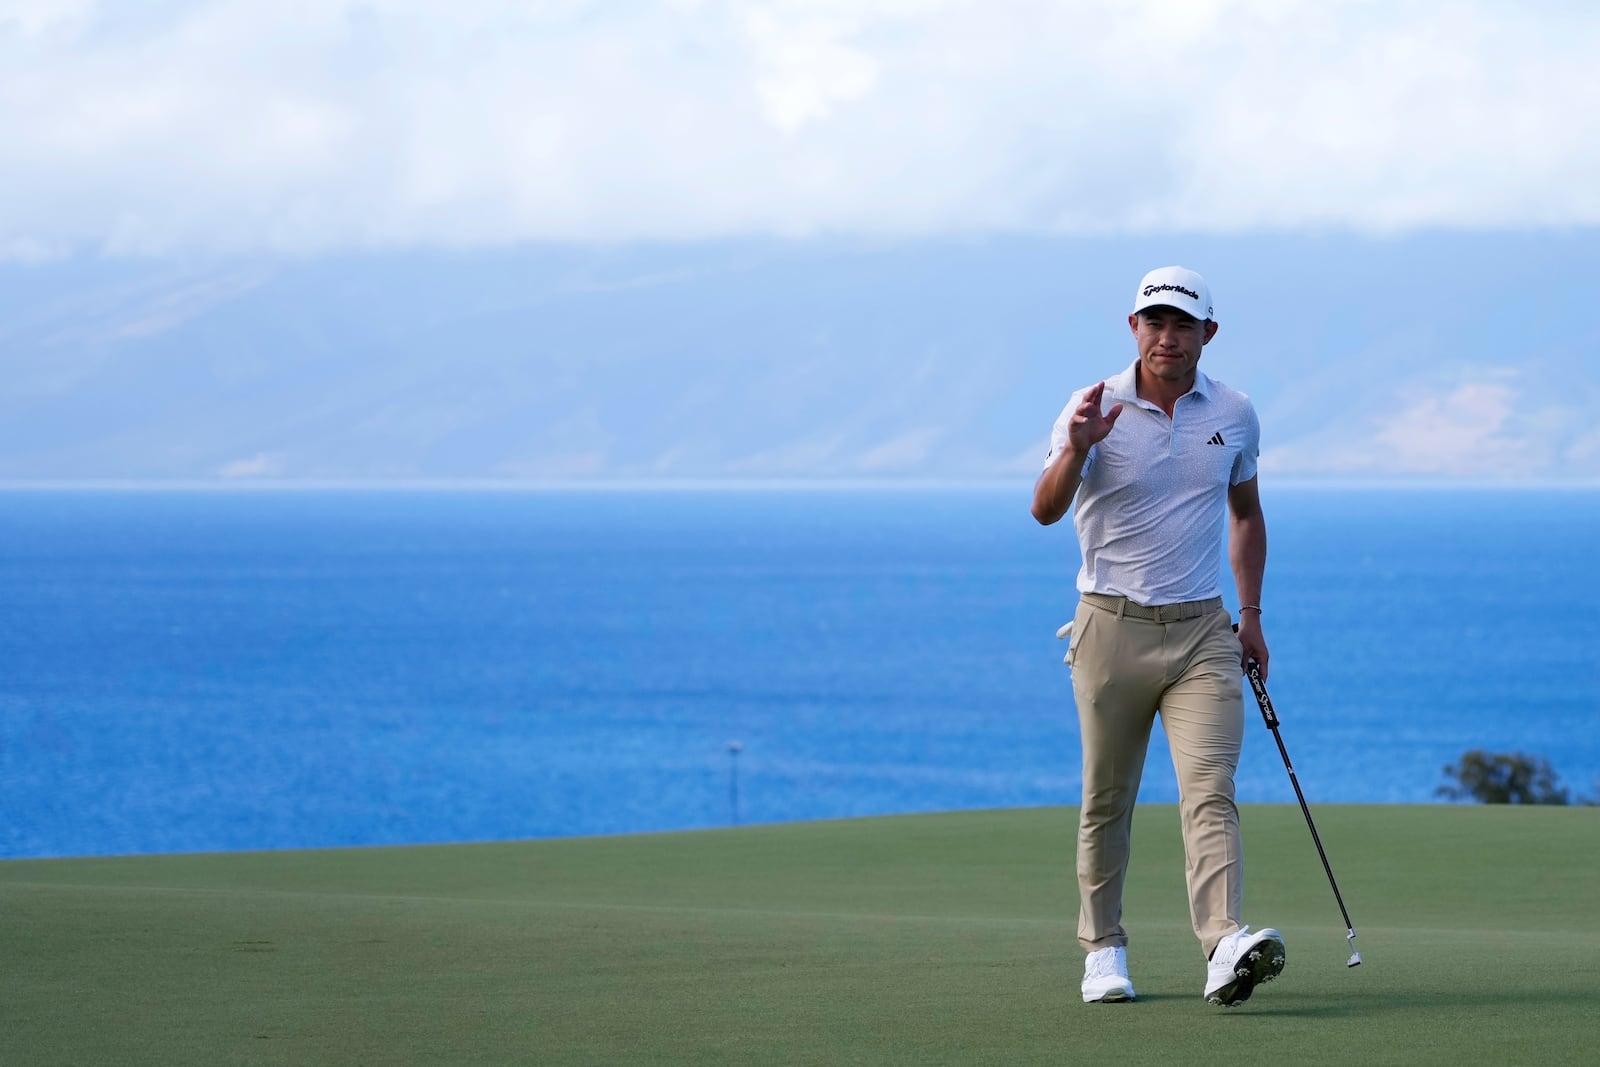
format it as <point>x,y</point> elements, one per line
<point>193,671</point>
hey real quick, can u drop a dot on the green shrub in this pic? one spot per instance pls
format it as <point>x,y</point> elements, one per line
<point>1503,778</point>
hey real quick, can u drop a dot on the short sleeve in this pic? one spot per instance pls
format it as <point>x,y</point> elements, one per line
<point>1244,464</point>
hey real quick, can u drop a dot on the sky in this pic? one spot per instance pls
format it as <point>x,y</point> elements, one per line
<point>174,126</point>
<point>205,132</point>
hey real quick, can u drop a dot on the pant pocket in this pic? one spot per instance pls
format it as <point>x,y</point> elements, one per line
<point>1080,624</point>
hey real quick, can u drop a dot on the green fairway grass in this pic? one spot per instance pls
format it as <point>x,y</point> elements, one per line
<point>922,939</point>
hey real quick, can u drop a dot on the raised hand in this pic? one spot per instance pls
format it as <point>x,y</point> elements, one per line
<point>1053,492</point>
<point>1088,426</point>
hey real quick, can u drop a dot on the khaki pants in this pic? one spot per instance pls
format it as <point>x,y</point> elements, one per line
<point>1124,671</point>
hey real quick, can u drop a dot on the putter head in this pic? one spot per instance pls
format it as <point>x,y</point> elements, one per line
<point>1355,957</point>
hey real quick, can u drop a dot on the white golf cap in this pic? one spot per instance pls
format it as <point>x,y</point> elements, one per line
<point>1176,287</point>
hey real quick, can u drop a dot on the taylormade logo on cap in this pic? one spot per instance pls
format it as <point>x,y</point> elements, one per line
<point>1152,290</point>
<point>1177,287</point>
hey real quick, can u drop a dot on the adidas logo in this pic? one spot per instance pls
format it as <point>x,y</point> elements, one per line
<point>1216,439</point>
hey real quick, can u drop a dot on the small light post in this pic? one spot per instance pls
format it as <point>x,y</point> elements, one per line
<point>734,748</point>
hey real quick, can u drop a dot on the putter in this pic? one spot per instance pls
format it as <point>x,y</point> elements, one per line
<point>1271,716</point>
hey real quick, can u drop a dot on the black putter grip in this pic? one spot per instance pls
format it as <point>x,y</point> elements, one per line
<point>1253,671</point>
<point>1267,711</point>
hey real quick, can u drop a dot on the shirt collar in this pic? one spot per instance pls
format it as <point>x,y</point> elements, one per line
<point>1125,386</point>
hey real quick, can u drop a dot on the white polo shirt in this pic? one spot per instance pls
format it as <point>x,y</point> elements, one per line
<point>1150,510</point>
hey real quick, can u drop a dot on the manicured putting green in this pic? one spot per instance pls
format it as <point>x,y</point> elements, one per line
<point>906,940</point>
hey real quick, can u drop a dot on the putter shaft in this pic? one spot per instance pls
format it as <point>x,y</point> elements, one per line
<point>1259,687</point>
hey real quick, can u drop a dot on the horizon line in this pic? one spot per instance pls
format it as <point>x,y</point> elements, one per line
<point>497,485</point>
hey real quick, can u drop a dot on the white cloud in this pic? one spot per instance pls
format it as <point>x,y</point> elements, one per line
<point>807,68</point>
<point>216,125</point>
<point>260,465</point>
<point>1483,430</point>
<point>1452,434</point>
<point>34,19</point>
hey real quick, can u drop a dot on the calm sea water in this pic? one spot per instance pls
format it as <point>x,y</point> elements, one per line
<point>198,671</point>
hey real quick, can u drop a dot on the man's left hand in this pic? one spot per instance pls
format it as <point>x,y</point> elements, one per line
<point>1252,643</point>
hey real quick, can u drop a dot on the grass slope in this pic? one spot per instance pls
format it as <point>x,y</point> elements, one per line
<point>915,939</point>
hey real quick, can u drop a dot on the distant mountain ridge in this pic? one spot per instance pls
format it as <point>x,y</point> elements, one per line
<point>1430,356</point>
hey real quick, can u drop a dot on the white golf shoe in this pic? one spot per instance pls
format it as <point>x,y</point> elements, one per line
<point>1242,961</point>
<point>1105,976</point>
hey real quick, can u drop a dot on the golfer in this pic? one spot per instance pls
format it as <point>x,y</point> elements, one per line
<point>1150,461</point>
